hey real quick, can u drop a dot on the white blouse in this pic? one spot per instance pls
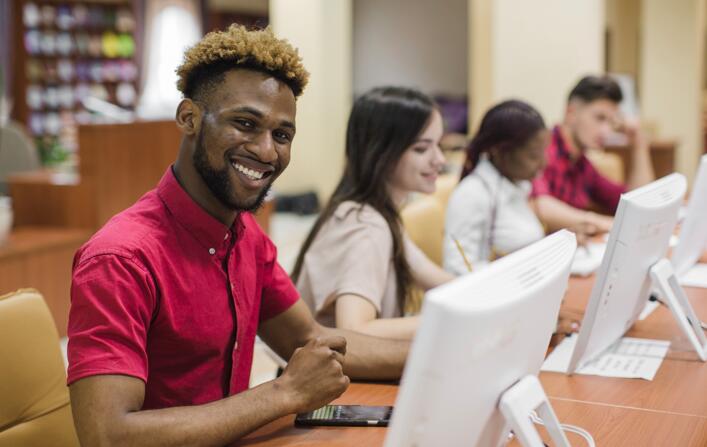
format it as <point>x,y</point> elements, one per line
<point>489,216</point>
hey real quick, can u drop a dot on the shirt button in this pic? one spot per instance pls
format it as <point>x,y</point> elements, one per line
<point>212,251</point>
<point>225,237</point>
<point>235,347</point>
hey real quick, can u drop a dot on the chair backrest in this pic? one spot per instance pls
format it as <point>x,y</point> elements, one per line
<point>34,399</point>
<point>423,220</point>
<point>445,186</point>
<point>607,164</point>
<point>17,153</point>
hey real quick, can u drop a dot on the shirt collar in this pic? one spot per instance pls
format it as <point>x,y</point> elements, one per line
<point>209,231</point>
<point>506,188</point>
<point>562,150</point>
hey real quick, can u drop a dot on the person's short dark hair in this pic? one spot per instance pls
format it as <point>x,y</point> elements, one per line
<point>207,61</point>
<point>593,88</point>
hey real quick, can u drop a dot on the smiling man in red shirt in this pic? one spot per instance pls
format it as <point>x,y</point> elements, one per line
<point>570,188</point>
<point>168,296</point>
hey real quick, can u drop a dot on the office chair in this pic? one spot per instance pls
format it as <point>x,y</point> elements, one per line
<point>34,400</point>
<point>423,220</point>
<point>445,185</point>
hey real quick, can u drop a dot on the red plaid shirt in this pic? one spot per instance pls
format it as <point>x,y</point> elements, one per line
<point>577,184</point>
<point>166,293</point>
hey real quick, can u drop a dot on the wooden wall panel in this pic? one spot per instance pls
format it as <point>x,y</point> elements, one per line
<point>41,258</point>
<point>121,162</point>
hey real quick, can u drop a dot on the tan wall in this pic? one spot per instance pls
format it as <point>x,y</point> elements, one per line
<point>623,18</point>
<point>321,30</point>
<point>538,50</point>
<point>672,63</point>
<point>425,48</point>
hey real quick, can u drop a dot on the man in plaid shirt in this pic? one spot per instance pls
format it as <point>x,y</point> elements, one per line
<point>570,189</point>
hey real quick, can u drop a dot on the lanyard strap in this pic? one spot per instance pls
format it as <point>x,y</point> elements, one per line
<point>492,218</point>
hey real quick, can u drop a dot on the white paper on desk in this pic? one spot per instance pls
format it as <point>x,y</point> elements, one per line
<point>695,277</point>
<point>587,259</point>
<point>628,358</point>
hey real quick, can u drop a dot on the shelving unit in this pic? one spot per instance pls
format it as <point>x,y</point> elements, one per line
<point>65,52</point>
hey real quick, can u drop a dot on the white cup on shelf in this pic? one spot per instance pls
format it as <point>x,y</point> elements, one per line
<point>5,218</point>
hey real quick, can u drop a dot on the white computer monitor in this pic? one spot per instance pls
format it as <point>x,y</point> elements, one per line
<point>693,231</point>
<point>478,336</point>
<point>639,238</point>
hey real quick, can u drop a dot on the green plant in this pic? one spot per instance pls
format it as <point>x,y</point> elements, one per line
<point>51,152</point>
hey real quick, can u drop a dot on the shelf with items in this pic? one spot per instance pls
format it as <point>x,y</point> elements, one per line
<point>67,52</point>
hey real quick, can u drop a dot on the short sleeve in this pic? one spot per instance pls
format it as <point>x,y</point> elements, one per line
<point>604,192</point>
<point>540,187</point>
<point>365,266</point>
<point>351,254</point>
<point>279,294</point>
<point>112,303</point>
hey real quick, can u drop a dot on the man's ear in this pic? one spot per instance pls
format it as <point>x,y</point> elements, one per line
<point>571,110</point>
<point>189,117</point>
<point>495,154</point>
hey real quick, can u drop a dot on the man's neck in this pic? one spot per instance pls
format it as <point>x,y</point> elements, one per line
<point>190,180</point>
<point>571,144</point>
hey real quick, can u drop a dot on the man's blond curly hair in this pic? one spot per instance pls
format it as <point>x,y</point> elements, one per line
<point>239,48</point>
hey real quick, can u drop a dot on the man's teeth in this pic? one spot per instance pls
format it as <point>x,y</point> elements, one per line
<point>255,175</point>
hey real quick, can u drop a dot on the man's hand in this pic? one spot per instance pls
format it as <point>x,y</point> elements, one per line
<point>642,171</point>
<point>637,139</point>
<point>314,376</point>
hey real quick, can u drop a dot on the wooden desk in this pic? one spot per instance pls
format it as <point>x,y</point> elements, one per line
<point>41,258</point>
<point>623,426</point>
<point>610,425</point>
<point>671,410</point>
<point>680,385</point>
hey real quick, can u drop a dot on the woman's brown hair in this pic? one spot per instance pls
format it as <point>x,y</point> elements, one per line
<point>384,122</point>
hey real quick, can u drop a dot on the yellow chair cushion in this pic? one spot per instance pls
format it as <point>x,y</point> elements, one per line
<point>35,406</point>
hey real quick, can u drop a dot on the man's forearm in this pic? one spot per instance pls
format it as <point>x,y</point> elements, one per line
<point>556,215</point>
<point>641,167</point>
<point>214,424</point>
<point>372,358</point>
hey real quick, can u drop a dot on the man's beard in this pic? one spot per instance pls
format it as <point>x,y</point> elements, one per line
<point>220,184</point>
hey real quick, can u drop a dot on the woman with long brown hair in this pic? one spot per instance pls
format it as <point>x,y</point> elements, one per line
<point>357,267</point>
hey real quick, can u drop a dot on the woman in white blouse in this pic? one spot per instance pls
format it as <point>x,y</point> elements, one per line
<point>489,214</point>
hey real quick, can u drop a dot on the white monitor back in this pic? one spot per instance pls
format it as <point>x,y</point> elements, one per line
<point>693,232</point>
<point>644,221</point>
<point>478,335</point>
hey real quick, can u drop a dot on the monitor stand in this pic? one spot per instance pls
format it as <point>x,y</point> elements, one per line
<point>671,293</point>
<point>516,405</point>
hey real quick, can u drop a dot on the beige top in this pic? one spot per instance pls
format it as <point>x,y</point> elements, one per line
<point>352,254</point>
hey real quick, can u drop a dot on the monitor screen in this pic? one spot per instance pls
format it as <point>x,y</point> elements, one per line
<point>478,336</point>
<point>693,231</point>
<point>644,221</point>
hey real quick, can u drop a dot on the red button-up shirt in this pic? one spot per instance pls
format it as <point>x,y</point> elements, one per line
<point>578,184</point>
<point>166,293</point>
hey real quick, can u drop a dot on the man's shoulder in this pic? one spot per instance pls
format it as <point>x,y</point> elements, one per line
<point>133,231</point>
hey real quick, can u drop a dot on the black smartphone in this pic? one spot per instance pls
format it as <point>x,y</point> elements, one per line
<point>346,415</point>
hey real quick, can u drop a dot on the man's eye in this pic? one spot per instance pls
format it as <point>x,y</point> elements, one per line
<point>282,136</point>
<point>244,123</point>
